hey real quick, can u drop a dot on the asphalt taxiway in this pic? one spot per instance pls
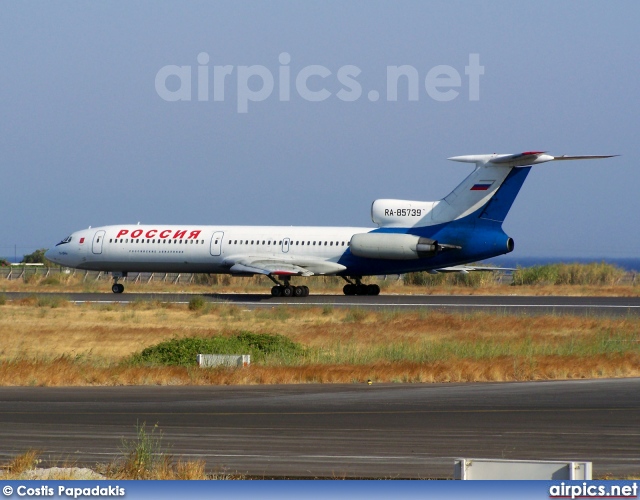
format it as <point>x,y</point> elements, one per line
<point>501,304</point>
<point>403,431</point>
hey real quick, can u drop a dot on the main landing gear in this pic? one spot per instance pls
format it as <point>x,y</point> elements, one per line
<point>117,287</point>
<point>359,288</point>
<point>286,289</point>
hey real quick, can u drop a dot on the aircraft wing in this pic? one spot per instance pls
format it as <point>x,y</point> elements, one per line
<point>278,267</point>
<point>467,269</point>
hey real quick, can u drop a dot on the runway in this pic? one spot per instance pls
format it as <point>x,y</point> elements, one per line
<point>501,304</point>
<point>396,431</point>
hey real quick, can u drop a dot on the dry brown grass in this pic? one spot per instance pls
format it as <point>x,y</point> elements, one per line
<point>62,372</point>
<point>318,284</point>
<point>163,466</point>
<point>86,345</point>
<point>21,463</point>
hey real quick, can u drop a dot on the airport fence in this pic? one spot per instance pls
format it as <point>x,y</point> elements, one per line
<point>29,273</point>
<point>33,273</point>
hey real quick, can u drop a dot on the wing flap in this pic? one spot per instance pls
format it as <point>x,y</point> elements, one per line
<point>281,267</point>
<point>467,269</point>
<point>269,267</point>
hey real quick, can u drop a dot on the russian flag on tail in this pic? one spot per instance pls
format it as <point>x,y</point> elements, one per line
<point>482,186</point>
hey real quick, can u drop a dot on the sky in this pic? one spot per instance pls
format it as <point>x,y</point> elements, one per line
<point>257,113</point>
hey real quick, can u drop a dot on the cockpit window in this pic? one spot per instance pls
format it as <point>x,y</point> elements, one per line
<point>66,240</point>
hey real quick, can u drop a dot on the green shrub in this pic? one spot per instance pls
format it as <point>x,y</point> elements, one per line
<point>143,454</point>
<point>51,280</point>
<point>49,301</point>
<point>205,279</point>
<point>196,303</point>
<point>37,257</point>
<point>355,315</point>
<point>182,352</point>
<point>569,274</point>
<point>472,279</point>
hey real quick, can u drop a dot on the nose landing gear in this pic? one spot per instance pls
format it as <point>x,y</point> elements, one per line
<point>117,287</point>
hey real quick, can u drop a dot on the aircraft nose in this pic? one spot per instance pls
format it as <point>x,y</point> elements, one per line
<point>50,255</point>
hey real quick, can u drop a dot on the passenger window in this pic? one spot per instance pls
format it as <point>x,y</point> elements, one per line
<point>303,243</point>
<point>331,244</point>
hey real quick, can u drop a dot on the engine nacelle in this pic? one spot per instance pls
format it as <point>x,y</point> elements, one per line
<point>400,213</point>
<point>392,246</point>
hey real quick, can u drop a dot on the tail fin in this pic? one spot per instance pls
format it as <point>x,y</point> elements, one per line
<point>494,185</point>
<point>489,191</point>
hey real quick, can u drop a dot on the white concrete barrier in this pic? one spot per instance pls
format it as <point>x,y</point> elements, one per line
<point>481,468</point>
<point>231,360</point>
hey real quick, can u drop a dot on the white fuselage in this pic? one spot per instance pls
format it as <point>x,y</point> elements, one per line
<point>201,249</point>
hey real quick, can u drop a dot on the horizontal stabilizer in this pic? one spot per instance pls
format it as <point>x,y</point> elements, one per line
<point>587,157</point>
<point>521,159</point>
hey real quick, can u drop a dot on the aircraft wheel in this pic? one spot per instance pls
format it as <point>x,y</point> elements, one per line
<point>298,291</point>
<point>349,289</point>
<point>117,288</point>
<point>276,291</point>
<point>287,291</point>
<point>373,290</point>
<point>306,290</point>
<point>361,290</point>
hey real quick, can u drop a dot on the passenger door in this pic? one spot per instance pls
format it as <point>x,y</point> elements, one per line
<point>216,243</point>
<point>97,242</point>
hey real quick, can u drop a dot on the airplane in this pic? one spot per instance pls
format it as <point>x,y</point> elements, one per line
<point>435,236</point>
